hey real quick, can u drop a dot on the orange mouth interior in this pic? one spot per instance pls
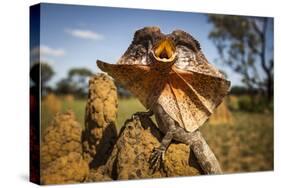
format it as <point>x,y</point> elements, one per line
<point>164,51</point>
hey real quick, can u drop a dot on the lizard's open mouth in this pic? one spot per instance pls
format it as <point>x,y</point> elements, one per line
<point>164,50</point>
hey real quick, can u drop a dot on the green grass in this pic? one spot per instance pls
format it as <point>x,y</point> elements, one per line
<point>245,146</point>
<point>126,108</point>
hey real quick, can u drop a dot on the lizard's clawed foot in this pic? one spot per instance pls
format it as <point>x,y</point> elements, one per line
<point>156,159</point>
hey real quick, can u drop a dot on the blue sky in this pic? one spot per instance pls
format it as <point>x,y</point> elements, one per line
<point>76,36</point>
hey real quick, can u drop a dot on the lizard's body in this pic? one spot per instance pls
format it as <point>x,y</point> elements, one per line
<point>172,131</point>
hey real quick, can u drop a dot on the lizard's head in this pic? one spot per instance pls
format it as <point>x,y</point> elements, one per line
<point>164,51</point>
<point>151,46</point>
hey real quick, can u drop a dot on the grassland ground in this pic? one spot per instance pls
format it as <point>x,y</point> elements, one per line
<point>246,145</point>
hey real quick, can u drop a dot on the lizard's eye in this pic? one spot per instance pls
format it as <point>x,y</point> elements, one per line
<point>164,51</point>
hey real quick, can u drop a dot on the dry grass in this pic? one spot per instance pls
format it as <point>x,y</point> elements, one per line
<point>78,107</point>
<point>246,146</point>
<point>52,102</point>
<point>222,115</point>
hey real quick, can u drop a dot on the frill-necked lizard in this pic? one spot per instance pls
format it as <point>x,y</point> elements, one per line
<point>172,78</point>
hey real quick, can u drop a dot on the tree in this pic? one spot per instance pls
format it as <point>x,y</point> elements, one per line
<point>121,91</point>
<point>47,73</point>
<point>65,86</point>
<point>76,82</point>
<point>245,44</point>
<point>82,73</point>
<point>79,78</point>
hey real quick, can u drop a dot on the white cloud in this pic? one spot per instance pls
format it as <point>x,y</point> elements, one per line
<point>84,34</point>
<point>44,50</point>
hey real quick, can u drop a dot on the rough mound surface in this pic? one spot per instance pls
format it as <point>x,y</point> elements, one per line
<point>100,131</point>
<point>61,151</point>
<point>70,168</point>
<point>129,158</point>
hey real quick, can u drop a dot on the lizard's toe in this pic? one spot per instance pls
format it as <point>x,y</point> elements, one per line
<point>135,116</point>
<point>156,159</point>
